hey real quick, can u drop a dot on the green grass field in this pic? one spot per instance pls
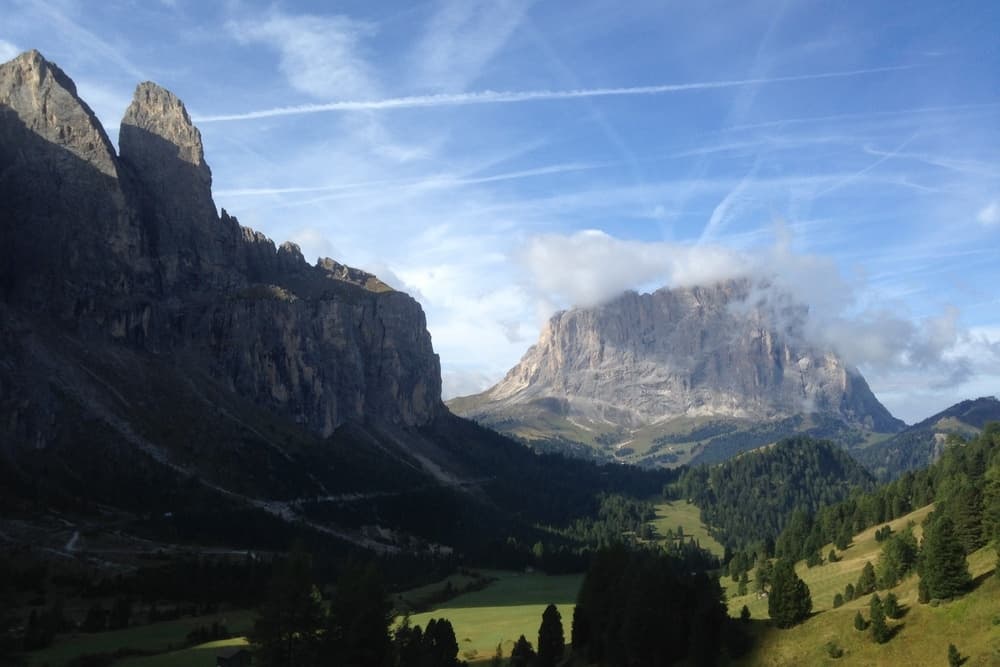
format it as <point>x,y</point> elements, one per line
<point>679,513</point>
<point>971,622</point>
<point>153,637</point>
<point>507,608</point>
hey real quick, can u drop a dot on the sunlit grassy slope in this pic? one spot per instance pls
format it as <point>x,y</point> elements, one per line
<point>971,622</point>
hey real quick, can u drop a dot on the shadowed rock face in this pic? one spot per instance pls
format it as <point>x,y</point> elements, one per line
<point>129,250</point>
<point>702,351</point>
<point>193,245</point>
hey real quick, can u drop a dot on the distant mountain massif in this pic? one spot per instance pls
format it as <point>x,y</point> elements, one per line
<point>687,375</point>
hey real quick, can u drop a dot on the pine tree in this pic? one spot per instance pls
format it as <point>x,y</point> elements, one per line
<point>742,588</point>
<point>954,657</point>
<point>745,614</point>
<point>359,619</point>
<point>880,630</point>
<point>440,647</point>
<point>287,632</point>
<point>838,600</point>
<point>866,582</point>
<point>942,560</point>
<point>522,654</point>
<point>965,508</point>
<point>849,592</point>
<point>891,606</point>
<point>859,621</point>
<point>789,601</point>
<point>551,640</point>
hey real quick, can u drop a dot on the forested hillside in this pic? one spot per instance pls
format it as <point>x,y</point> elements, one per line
<point>964,485</point>
<point>750,498</point>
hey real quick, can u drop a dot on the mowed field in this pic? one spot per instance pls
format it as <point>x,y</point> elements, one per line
<point>971,622</point>
<point>507,608</point>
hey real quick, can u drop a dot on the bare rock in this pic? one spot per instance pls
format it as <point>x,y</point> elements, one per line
<point>700,351</point>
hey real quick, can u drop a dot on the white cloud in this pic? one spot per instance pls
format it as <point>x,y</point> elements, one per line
<point>989,216</point>
<point>320,56</point>
<point>589,267</point>
<point>7,51</point>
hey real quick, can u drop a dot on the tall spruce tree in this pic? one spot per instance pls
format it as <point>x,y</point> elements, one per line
<point>789,601</point>
<point>942,565</point>
<point>360,614</point>
<point>288,631</point>
<point>866,581</point>
<point>551,640</point>
<point>880,629</point>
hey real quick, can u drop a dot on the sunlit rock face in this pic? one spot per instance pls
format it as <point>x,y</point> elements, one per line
<point>698,351</point>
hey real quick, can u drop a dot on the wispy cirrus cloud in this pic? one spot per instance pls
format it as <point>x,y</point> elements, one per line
<point>320,56</point>
<point>86,42</point>
<point>989,215</point>
<point>461,38</point>
<point>521,96</point>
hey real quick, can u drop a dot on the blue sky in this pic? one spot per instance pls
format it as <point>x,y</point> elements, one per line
<point>499,160</point>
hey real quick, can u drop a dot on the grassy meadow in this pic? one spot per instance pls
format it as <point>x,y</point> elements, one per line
<point>971,622</point>
<point>510,606</point>
<point>670,515</point>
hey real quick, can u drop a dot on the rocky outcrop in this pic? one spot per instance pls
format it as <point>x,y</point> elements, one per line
<point>129,249</point>
<point>694,352</point>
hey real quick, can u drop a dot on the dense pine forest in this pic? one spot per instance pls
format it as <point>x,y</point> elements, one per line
<point>748,500</point>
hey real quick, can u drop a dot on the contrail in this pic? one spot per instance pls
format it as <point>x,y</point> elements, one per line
<point>509,97</point>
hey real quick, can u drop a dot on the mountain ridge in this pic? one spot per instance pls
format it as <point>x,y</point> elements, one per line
<point>684,355</point>
<point>923,443</point>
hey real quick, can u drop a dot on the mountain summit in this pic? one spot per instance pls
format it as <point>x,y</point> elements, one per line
<point>676,367</point>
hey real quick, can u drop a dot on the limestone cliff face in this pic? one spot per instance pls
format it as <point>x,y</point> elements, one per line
<point>129,250</point>
<point>65,226</point>
<point>194,247</point>
<point>702,351</point>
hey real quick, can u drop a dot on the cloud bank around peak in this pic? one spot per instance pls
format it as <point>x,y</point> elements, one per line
<point>591,267</point>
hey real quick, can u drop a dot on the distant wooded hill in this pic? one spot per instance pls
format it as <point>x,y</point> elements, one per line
<point>922,444</point>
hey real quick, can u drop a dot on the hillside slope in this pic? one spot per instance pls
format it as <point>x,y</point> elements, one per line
<point>922,635</point>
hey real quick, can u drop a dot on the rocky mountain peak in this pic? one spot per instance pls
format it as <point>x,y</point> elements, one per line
<point>45,102</point>
<point>156,121</point>
<point>129,251</point>
<point>164,152</point>
<point>700,354</point>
